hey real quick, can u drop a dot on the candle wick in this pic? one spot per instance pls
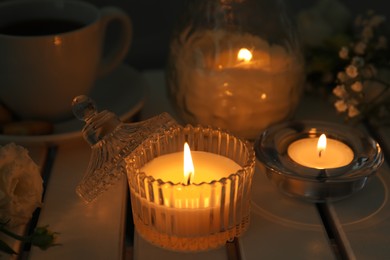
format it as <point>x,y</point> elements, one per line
<point>189,178</point>
<point>320,153</point>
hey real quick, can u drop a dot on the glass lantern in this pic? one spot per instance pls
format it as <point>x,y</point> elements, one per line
<point>236,65</point>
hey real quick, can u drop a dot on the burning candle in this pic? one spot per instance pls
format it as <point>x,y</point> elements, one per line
<point>198,167</point>
<point>190,206</point>
<point>191,200</point>
<point>302,162</point>
<point>244,86</point>
<point>320,153</point>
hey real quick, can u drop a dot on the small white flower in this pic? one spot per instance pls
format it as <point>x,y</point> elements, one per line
<point>357,86</point>
<point>340,106</point>
<point>353,111</point>
<point>339,91</point>
<point>343,53</point>
<point>360,48</point>
<point>342,76</point>
<point>351,71</point>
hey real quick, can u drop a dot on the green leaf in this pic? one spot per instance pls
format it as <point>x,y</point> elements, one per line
<point>43,238</point>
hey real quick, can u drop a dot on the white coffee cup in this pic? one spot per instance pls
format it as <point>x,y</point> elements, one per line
<point>42,69</point>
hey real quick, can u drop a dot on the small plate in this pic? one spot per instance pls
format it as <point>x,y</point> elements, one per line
<point>122,92</point>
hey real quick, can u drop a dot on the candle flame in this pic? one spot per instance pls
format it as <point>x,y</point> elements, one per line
<point>189,170</point>
<point>244,54</point>
<point>321,145</point>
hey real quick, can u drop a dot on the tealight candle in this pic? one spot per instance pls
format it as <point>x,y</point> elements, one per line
<point>316,169</point>
<point>320,153</point>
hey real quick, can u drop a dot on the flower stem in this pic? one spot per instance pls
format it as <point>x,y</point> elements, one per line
<point>12,234</point>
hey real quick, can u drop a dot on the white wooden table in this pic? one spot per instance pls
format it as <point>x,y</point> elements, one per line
<point>281,227</point>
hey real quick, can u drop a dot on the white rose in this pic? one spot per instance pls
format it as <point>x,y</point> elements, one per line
<point>20,185</point>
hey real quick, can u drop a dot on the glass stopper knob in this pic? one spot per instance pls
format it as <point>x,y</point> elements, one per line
<point>84,107</point>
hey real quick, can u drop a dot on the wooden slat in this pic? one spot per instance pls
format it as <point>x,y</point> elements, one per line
<point>93,231</point>
<point>282,227</point>
<point>363,220</point>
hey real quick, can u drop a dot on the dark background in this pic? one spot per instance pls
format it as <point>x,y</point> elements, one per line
<point>154,20</point>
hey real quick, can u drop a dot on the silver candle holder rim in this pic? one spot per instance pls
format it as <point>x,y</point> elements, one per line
<point>271,150</point>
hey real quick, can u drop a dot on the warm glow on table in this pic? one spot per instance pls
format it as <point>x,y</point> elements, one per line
<point>320,153</point>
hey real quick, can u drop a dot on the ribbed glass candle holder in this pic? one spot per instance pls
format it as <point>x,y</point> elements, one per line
<point>191,217</point>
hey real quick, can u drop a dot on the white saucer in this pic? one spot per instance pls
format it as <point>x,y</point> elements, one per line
<point>122,92</point>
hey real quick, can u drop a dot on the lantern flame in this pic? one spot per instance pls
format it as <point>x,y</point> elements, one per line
<point>244,54</point>
<point>189,170</point>
<point>321,145</point>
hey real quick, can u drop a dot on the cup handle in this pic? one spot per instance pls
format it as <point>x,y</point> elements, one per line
<point>114,54</point>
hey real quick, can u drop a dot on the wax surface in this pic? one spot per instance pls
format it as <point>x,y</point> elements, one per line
<point>188,210</point>
<point>336,154</point>
<point>208,167</point>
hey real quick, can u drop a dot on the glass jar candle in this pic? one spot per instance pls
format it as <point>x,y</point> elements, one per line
<point>235,64</point>
<point>194,213</point>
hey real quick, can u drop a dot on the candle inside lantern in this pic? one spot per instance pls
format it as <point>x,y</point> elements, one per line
<point>321,153</point>
<point>244,54</point>
<point>244,59</point>
<point>236,81</point>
